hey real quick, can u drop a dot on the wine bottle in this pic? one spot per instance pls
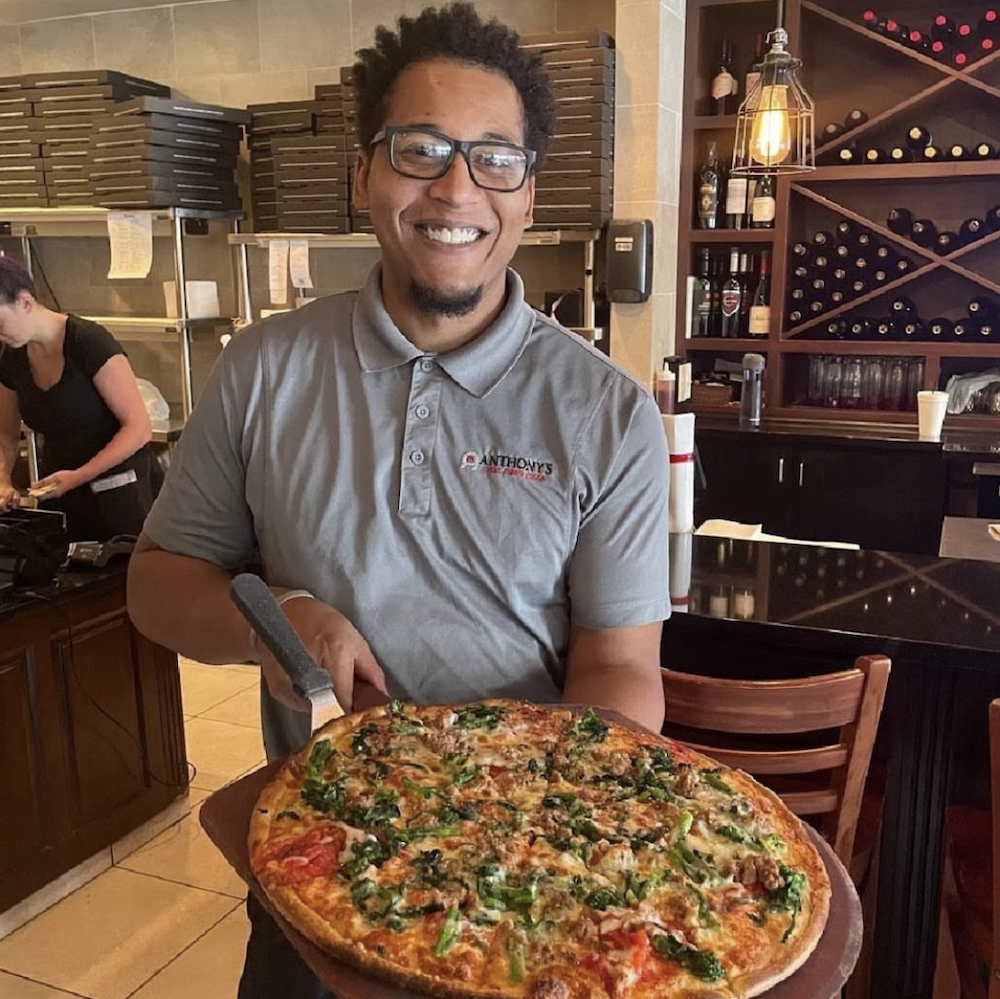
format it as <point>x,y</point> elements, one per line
<point>863,240</point>
<point>987,331</point>
<point>820,285</point>
<point>801,251</point>
<point>989,23</point>
<point>854,118</point>
<point>983,151</point>
<point>901,266</point>
<point>959,58</point>
<point>918,41</point>
<point>992,220</point>
<point>965,38</point>
<point>862,264</point>
<point>836,329</point>
<point>837,297</point>
<point>848,155</point>
<point>802,273</point>
<point>764,206</point>
<point>708,190</point>
<point>962,328</point>
<point>859,286</point>
<point>760,308</point>
<point>817,306</point>
<point>796,316</point>
<point>871,19</point>
<point>730,301</point>
<point>723,82</point>
<point>860,328</point>
<point>983,308</point>
<point>947,242</point>
<point>884,254</point>
<point>986,46</point>
<point>899,221</point>
<point>896,31</point>
<point>956,152</point>
<point>914,330</point>
<point>885,329</point>
<point>822,262</point>
<point>839,275</point>
<point>873,155</point>
<point>931,154</point>
<point>971,230</point>
<point>718,276</point>
<point>701,294</point>
<point>736,202</point>
<point>843,251</point>
<point>830,132</point>
<point>923,232</point>
<point>917,137</point>
<point>940,328</point>
<point>900,154</point>
<point>902,306</point>
<point>942,28</point>
<point>752,76</point>
<point>823,238</point>
<point>745,293</point>
<point>880,275</point>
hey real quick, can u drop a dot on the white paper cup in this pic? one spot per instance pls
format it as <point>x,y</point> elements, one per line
<point>931,409</point>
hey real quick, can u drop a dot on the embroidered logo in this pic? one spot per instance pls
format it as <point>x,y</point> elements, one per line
<point>493,463</point>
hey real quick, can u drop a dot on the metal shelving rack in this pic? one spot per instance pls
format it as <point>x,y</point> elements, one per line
<point>587,238</point>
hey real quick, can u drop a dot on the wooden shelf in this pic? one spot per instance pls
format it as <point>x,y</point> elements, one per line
<point>731,236</point>
<point>905,171</point>
<point>721,344</point>
<point>920,348</point>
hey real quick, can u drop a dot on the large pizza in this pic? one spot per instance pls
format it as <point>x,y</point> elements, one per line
<point>506,849</point>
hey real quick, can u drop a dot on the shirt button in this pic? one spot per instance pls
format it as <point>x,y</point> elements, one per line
<point>422,412</point>
<point>426,365</point>
<point>417,457</point>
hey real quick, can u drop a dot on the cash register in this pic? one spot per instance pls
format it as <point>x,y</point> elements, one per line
<point>33,545</point>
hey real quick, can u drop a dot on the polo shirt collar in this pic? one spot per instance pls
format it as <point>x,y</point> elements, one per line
<point>478,366</point>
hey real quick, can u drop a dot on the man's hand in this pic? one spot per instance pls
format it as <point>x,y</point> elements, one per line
<point>9,497</point>
<point>60,483</point>
<point>335,644</point>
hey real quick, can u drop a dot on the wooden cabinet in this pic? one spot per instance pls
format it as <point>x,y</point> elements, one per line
<point>91,733</point>
<point>847,66</point>
<point>877,495</point>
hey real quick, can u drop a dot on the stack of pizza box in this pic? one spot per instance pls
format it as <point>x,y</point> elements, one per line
<point>22,180</point>
<point>573,187</point>
<point>166,152</point>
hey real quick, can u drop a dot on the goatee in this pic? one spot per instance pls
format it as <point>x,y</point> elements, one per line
<point>434,303</point>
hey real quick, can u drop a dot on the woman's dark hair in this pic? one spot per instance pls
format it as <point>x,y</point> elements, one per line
<point>13,280</point>
<point>454,32</point>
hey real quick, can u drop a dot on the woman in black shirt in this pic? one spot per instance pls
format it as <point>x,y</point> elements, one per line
<point>69,380</point>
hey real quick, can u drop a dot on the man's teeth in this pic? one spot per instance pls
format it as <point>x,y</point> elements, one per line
<point>442,235</point>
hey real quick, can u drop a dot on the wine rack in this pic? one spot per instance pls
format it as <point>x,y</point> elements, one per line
<point>874,88</point>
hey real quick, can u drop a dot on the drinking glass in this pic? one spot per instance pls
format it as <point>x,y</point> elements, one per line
<point>817,373</point>
<point>914,382</point>
<point>832,380</point>
<point>850,384</point>
<point>872,380</point>
<point>896,375</point>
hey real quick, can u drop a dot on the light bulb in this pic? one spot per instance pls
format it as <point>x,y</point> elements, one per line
<point>771,137</point>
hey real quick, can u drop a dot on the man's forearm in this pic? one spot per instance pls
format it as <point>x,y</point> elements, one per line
<point>183,603</point>
<point>633,691</point>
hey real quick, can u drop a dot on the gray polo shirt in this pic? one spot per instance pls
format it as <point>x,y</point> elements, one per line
<point>460,509</point>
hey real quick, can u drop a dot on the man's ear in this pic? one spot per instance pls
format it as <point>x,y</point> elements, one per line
<point>362,167</point>
<point>529,211</point>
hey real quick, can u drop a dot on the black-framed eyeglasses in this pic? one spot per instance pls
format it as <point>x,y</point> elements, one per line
<point>423,154</point>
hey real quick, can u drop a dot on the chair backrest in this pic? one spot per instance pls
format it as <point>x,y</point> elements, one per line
<point>994,991</point>
<point>810,740</point>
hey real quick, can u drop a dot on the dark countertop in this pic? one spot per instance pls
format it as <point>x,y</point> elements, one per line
<point>65,586</point>
<point>971,443</point>
<point>909,598</point>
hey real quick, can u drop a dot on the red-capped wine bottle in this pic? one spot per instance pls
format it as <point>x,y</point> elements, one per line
<point>989,22</point>
<point>730,301</point>
<point>899,221</point>
<point>971,230</point>
<point>917,137</point>
<point>919,42</point>
<point>986,46</point>
<point>871,19</point>
<point>942,28</point>
<point>923,232</point>
<point>941,51</point>
<point>959,58</point>
<point>896,31</point>
<point>965,37</point>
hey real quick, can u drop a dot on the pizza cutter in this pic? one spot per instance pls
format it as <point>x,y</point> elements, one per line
<point>257,604</point>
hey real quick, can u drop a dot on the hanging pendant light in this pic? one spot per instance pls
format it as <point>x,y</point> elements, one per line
<point>775,124</point>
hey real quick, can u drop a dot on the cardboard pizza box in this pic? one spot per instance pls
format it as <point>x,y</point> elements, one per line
<point>170,123</point>
<point>143,151</point>
<point>579,147</point>
<point>589,56</point>
<point>142,133</point>
<point>592,38</point>
<point>151,168</point>
<point>132,85</point>
<point>581,75</point>
<point>327,91</point>
<point>182,108</point>
<point>160,199</point>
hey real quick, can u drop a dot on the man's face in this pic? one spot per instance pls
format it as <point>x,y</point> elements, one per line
<point>446,243</point>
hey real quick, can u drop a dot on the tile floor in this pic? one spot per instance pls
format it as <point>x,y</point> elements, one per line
<point>164,920</point>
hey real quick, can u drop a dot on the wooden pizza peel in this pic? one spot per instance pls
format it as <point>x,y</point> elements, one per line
<point>225,816</point>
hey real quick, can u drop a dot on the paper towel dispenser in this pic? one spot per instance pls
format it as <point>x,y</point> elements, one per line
<point>629,260</point>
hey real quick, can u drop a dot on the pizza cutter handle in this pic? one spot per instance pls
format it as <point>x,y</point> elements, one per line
<point>257,604</point>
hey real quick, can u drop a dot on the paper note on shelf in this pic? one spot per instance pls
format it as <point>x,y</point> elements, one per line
<point>993,530</point>
<point>719,528</point>
<point>277,270</point>
<point>131,237</point>
<point>298,264</point>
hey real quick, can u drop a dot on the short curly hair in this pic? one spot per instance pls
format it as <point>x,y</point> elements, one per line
<point>455,32</point>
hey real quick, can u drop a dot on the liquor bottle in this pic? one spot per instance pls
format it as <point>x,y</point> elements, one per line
<point>917,137</point>
<point>752,76</point>
<point>736,202</point>
<point>931,154</point>
<point>745,293</point>
<point>957,152</point>
<point>992,220</point>
<point>873,155</point>
<point>764,207</point>
<point>943,28</point>
<point>708,190</point>
<point>701,294</point>
<point>830,132</point>
<point>901,154</point>
<point>899,221</point>
<point>760,308</point>
<point>983,308</point>
<point>940,328</point>
<point>902,307</point>
<point>971,230</point>
<point>848,155</point>
<point>983,151</point>
<point>724,84</point>
<point>947,242</point>
<point>854,118</point>
<point>923,232</point>
<point>730,300</point>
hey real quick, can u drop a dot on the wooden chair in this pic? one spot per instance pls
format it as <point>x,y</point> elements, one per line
<point>809,740</point>
<point>972,884</point>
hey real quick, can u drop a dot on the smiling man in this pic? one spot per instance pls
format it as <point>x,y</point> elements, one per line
<point>452,496</point>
